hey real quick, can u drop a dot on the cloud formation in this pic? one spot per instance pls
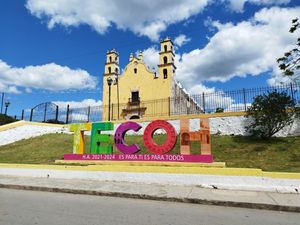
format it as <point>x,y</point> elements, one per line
<point>181,40</point>
<point>238,5</point>
<point>80,104</point>
<point>51,77</point>
<point>246,48</point>
<point>147,17</point>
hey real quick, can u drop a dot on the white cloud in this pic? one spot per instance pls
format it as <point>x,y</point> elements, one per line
<point>234,107</point>
<point>80,104</point>
<point>151,57</point>
<point>78,117</point>
<point>146,17</point>
<point>247,48</point>
<point>181,40</point>
<point>28,90</point>
<point>238,5</point>
<point>79,110</point>
<point>200,88</point>
<point>49,77</point>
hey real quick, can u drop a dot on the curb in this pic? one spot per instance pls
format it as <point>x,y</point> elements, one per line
<point>152,197</point>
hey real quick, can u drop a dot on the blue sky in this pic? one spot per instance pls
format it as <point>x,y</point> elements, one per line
<point>55,50</point>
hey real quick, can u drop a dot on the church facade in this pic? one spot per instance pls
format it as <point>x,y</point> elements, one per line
<point>140,92</point>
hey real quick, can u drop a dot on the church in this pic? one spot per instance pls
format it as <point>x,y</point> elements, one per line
<point>139,92</point>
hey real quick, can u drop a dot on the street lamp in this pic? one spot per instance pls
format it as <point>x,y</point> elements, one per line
<point>6,106</point>
<point>109,83</point>
<point>118,97</point>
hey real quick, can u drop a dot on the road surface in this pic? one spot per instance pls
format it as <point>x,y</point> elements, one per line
<point>18,207</point>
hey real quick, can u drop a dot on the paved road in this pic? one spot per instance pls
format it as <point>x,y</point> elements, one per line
<point>28,207</point>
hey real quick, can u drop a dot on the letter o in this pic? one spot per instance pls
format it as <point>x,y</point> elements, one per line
<point>169,143</point>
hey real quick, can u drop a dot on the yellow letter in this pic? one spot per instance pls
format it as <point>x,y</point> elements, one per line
<point>78,141</point>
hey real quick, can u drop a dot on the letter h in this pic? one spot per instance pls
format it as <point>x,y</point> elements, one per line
<point>203,136</point>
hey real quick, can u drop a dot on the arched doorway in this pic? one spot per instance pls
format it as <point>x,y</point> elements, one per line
<point>134,117</point>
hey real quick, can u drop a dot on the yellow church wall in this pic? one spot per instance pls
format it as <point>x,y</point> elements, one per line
<point>153,92</point>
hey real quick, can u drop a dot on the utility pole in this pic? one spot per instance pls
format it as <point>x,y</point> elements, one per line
<point>2,102</point>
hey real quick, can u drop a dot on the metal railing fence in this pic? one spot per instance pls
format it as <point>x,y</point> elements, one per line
<point>214,102</point>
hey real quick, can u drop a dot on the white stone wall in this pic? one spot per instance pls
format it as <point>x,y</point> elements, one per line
<point>233,125</point>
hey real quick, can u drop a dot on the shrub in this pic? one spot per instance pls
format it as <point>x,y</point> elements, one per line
<point>270,113</point>
<point>219,110</point>
<point>4,119</point>
<point>54,121</point>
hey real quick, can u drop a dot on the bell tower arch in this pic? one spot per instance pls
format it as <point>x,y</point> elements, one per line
<point>166,65</point>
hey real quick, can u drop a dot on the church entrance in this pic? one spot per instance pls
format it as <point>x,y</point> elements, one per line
<point>134,117</point>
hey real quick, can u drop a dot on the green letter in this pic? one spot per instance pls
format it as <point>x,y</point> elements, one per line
<point>97,138</point>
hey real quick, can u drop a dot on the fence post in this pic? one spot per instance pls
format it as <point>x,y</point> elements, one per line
<point>31,112</point>
<point>67,114</point>
<point>56,113</point>
<point>22,117</point>
<point>292,92</point>
<point>89,112</point>
<point>203,102</point>
<point>245,102</point>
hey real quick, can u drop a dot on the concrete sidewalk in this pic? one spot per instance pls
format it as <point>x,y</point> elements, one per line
<point>180,193</point>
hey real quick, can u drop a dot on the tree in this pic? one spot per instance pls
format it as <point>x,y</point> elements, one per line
<point>290,62</point>
<point>4,119</point>
<point>219,110</point>
<point>270,113</point>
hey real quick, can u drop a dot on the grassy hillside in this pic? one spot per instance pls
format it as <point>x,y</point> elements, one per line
<point>278,154</point>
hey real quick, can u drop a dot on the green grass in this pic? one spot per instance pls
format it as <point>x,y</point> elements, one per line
<point>277,154</point>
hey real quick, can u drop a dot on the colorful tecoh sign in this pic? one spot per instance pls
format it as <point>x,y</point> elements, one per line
<point>101,150</point>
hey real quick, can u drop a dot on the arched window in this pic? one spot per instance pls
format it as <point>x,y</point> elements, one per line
<point>110,59</point>
<point>165,71</point>
<point>166,48</point>
<point>165,59</point>
<point>109,69</point>
<point>171,48</point>
<point>116,59</point>
<point>185,139</point>
<point>135,70</point>
<point>116,70</point>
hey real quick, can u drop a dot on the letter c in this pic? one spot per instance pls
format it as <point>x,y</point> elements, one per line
<point>120,134</point>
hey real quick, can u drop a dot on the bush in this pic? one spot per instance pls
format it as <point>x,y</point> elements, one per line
<point>4,119</point>
<point>270,113</point>
<point>219,110</point>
